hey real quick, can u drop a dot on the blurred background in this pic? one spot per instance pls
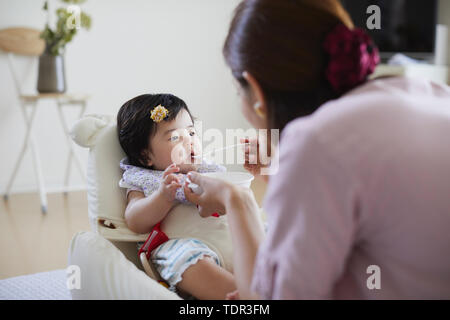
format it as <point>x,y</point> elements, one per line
<point>132,47</point>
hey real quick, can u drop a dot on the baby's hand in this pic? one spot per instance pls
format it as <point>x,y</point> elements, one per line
<point>170,182</point>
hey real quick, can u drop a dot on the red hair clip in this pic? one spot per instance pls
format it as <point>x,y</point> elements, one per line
<point>353,56</point>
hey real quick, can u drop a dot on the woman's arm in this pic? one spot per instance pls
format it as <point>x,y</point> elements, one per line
<point>247,234</point>
<point>245,226</point>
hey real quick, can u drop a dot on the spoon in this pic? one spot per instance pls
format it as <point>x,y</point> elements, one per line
<point>220,149</point>
<point>196,188</point>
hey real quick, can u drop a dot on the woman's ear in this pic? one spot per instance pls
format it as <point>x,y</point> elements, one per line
<point>259,101</point>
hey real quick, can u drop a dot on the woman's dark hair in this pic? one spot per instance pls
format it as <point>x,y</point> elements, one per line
<point>281,44</point>
<point>135,126</point>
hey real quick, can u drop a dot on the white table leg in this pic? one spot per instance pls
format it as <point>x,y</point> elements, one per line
<point>39,175</point>
<point>69,144</point>
<point>28,123</point>
<point>29,141</point>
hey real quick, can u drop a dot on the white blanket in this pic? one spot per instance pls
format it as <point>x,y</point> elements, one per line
<point>49,285</point>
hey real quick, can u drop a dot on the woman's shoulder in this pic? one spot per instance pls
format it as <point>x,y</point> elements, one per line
<point>406,85</point>
<point>378,101</point>
<point>380,90</point>
<point>376,118</point>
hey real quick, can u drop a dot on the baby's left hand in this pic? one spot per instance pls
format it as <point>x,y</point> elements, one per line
<point>170,182</point>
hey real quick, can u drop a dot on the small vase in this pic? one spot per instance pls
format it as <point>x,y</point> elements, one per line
<point>52,76</point>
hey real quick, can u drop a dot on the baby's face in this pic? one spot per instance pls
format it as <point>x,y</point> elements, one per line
<point>175,141</point>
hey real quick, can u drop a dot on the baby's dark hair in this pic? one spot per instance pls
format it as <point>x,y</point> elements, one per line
<point>135,126</point>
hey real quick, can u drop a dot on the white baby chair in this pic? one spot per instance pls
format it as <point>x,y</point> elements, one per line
<point>107,256</point>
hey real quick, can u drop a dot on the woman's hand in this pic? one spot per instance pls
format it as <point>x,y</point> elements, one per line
<point>214,196</point>
<point>170,183</point>
<point>232,295</point>
<point>252,158</point>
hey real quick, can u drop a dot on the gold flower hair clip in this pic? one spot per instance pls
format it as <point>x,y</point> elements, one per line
<point>159,113</point>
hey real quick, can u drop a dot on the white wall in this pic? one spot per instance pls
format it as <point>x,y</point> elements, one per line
<point>134,47</point>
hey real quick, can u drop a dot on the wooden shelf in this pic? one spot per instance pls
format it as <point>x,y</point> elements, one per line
<point>66,97</point>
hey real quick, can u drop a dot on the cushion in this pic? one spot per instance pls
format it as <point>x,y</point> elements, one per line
<point>106,200</point>
<point>49,285</point>
<point>105,273</point>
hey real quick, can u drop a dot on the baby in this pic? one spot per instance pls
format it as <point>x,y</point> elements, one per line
<point>156,132</point>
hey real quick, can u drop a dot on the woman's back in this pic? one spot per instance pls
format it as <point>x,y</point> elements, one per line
<point>366,182</point>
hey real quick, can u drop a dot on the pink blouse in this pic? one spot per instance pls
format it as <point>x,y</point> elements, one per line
<point>360,206</point>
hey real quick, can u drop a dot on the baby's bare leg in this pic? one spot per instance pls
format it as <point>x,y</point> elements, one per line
<point>205,280</point>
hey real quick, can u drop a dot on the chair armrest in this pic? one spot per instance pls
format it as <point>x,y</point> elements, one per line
<point>105,273</point>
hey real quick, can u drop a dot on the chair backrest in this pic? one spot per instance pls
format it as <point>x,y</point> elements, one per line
<point>21,41</point>
<point>106,200</point>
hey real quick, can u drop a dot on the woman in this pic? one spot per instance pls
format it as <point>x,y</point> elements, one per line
<point>360,205</point>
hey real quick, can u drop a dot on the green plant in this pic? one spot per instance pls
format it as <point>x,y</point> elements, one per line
<point>67,24</point>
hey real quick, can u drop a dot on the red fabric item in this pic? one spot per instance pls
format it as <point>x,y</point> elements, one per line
<point>155,238</point>
<point>353,56</point>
